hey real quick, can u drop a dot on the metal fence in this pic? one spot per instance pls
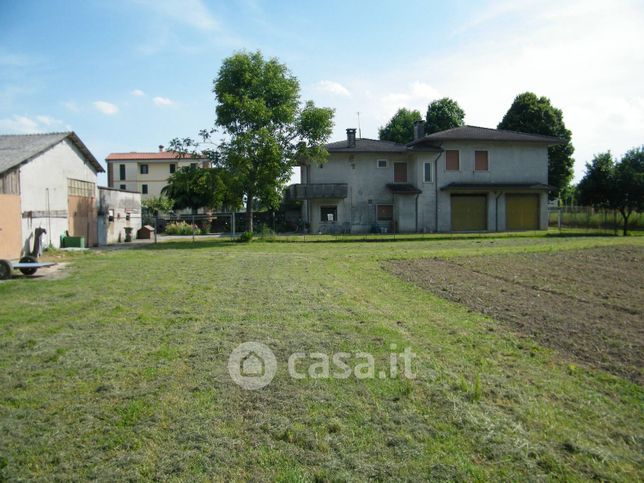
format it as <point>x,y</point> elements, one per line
<point>592,220</point>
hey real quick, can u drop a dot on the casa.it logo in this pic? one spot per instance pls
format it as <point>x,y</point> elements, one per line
<point>252,365</point>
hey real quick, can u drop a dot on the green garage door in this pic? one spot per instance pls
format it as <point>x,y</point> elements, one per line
<point>469,212</point>
<point>522,212</point>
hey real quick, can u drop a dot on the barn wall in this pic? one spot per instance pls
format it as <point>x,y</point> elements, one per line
<point>10,226</point>
<point>43,186</point>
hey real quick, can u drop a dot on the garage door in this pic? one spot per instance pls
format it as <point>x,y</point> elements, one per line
<point>469,212</point>
<point>522,212</point>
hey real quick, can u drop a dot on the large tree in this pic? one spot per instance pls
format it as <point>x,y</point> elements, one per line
<point>615,185</point>
<point>194,187</point>
<point>536,115</point>
<point>266,130</point>
<point>443,114</point>
<point>400,128</point>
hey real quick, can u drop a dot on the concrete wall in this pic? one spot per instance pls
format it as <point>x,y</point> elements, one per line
<point>508,163</point>
<point>126,211</point>
<point>10,227</point>
<point>43,188</point>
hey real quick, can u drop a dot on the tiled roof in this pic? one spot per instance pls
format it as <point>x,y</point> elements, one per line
<point>475,133</point>
<point>159,155</point>
<point>364,145</point>
<point>16,149</point>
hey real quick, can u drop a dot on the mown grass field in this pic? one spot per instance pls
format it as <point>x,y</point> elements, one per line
<point>118,371</point>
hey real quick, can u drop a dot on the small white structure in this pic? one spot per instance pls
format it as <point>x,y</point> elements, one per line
<point>117,210</point>
<point>52,178</point>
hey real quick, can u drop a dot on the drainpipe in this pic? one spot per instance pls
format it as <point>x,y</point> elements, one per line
<point>496,209</point>
<point>417,194</point>
<point>436,191</point>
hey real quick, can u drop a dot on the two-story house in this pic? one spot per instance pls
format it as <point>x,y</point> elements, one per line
<point>467,179</point>
<point>145,172</point>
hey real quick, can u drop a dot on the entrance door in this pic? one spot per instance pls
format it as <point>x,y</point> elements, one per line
<point>522,212</point>
<point>469,212</point>
<point>400,172</point>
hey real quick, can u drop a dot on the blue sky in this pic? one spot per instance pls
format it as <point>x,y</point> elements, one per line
<point>130,75</point>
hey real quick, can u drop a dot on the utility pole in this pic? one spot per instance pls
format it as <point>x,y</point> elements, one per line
<point>359,129</point>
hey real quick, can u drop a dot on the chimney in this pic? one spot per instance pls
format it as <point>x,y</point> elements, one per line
<point>351,137</point>
<point>419,130</point>
<point>160,148</point>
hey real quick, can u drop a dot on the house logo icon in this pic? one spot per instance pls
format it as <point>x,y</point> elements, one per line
<point>252,365</point>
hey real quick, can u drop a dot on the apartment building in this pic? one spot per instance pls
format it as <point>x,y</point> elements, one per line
<point>145,172</point>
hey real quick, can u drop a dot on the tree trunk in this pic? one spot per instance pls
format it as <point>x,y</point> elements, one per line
<point>625,217</point>
<point>249,212</point>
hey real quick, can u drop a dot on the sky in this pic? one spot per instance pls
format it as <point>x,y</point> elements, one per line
<point>131,75</point>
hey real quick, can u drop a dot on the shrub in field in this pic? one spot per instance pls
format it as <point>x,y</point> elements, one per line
<point>179,228</point>
<point>265,233</point>
<point>246,236</point>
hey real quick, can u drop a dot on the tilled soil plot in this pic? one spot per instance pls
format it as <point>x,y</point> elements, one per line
<point>587,304</point>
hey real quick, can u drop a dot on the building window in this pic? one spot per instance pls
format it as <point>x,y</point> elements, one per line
<point>382,163</point>
<point>452,162</point>
<point>144,189</point>
<point>173,168</point>
<point>121,172</point>
<point>480,161</point>
<point>122,187</point>
<point>385,212</point>
<point>427,172</point>
<point>193,165</point>
<point>328,213</point>
<point>77,187</point>
<point>110,215</point>
<point>144,169</point>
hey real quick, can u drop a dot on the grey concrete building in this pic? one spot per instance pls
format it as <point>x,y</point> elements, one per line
<point>466,179</point>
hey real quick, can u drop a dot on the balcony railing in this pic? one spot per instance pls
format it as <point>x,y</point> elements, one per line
<point>319,191</point>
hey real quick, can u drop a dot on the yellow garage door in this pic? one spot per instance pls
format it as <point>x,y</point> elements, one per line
<point>522,212</point>
<point>469,212</point>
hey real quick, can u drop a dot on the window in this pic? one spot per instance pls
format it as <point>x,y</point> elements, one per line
<point>328,213</point>
<point>110,215</point>
<point>77,187</point>
<point>122,187</point>
<point>385,212</point>
<point>144,168</point>
<point>144,189</point>
<point>382,163</point>
<point>452,162</point>
<point>121,172</point>
<point>400,172</point>
<point>193,165</point>
<point>173,168</point>
<point>480,161</point>
<point>427,172</point>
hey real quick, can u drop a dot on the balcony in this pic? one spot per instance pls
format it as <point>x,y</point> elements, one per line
<point>317,191</point>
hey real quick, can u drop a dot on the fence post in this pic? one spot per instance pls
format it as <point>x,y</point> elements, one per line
<point>156,225</point>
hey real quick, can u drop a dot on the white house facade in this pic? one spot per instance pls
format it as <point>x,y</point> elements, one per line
<point>467,179</point>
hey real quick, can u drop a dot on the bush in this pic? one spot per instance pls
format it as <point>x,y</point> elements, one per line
<point>246,236</point>
<point>179,228</point>
<point>265,233</point>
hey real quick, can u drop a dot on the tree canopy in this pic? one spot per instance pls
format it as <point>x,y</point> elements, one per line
<point>400,128</point>
<point>443,114</point>
<point>615,185</point>
<point>193,187</point>
<point>266,130</point>
<point>536,115</point>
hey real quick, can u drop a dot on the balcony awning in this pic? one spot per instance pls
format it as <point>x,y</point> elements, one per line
<point>320,191</point>
<point>403,189</point>
<point>497,187</point>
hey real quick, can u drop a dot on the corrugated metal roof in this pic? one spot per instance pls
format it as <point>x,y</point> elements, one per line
<point>16,149</point>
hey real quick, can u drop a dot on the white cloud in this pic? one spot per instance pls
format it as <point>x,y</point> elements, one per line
<point>332,87</point>
<point>106,107</point>
<point>137,93</point>
<point>193,13</point>
<point>162,101</point>
<point>71,106</point>
<point>23,124</point>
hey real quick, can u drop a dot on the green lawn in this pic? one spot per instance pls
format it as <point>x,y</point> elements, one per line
<point>118,371</point>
